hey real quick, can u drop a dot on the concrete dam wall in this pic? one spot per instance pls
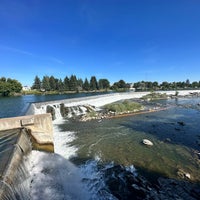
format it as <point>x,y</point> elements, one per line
<point>18,136</point>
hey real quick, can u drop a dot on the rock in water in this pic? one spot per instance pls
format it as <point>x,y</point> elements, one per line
<point>147,142</point>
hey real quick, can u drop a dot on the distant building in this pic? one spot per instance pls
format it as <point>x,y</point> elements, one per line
<point>26,88</point>
<point>131,87</point>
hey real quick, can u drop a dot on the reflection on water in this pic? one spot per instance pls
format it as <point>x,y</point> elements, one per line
<point>174,133</point>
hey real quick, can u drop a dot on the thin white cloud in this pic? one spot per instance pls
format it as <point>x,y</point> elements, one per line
<point>20,51</point>
<point>56,60</point>
<point>7,48</point>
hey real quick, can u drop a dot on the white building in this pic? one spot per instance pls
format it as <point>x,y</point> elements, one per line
<point>26,88</point>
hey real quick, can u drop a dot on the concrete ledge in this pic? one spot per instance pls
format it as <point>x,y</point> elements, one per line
<point>38,127</point>
<point>41,141</point>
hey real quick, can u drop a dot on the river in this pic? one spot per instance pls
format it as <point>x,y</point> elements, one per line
<point>107,160</point>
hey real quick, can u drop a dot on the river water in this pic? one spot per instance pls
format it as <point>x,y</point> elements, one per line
<point>97,159</point>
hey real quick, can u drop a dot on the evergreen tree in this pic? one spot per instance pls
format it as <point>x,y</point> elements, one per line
<point>104,84</point>
<point>37,83</point>
<point>73,83</point>
<point>45,83</point>
<point>86,85</point>
<point>93,83</point>
<point>52,83</point>
<point>60,85</point>
<point>66,83</point>
<point>80,84</point>
<point>187,83</point>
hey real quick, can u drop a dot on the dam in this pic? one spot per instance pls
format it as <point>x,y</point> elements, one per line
<point>19,136</point>
<point>22,135</point>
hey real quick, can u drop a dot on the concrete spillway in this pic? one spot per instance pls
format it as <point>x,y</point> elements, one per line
<point>18,136</point>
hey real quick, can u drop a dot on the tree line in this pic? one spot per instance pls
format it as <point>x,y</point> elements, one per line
<point>72,83</point>
<point>9,86</point>
<point>147,85</point>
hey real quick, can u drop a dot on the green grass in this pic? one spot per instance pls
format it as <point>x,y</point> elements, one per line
<point>125,106</point>
<point>154,96</point>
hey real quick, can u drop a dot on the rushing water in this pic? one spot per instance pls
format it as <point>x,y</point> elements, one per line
<point>174,132</point>
<point>96,147</point>
<point>88,155</point>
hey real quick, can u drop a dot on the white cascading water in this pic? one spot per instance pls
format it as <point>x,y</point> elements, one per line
<point>52,176</point>
<point>58,115</point>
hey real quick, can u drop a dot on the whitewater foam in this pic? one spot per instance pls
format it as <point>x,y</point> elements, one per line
<point>62,141</point>
<point>54,177</point>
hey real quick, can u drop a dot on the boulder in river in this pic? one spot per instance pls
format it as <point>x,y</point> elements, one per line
<point>147,142</point>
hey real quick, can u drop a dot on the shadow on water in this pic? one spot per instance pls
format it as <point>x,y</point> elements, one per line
<point>175,126</point>
<point>127,183</point>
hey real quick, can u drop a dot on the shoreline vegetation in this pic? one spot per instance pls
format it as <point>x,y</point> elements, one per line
<point>119,109</point>
<point>71,84</point>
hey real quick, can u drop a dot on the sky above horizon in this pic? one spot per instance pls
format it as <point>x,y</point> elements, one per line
<point>133,40</point>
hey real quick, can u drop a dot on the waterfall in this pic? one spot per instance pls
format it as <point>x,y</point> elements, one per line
<point>60,110</point>
<point>57,112</point>
<point>15,178</point>
<point>54,177</point>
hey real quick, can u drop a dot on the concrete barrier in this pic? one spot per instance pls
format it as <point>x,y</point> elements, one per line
<point>38,127</point>
<point>11,158</point>
<point>18,136</point>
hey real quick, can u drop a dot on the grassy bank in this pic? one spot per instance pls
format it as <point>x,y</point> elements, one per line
<point>123,107</point>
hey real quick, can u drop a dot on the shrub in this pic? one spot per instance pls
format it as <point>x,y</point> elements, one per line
<point>124,106</point>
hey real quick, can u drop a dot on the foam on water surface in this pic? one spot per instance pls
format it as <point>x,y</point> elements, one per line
<point>54,177</point>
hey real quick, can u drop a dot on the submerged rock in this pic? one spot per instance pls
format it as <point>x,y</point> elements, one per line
<point>124,184</point>
<point>181,123</point>
<point>184,175</point>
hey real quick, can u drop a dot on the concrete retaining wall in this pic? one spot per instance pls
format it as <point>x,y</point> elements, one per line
<point>18,136</point>
<point>38,127</point>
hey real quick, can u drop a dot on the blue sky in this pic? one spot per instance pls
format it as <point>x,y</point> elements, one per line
<point>133,40</point>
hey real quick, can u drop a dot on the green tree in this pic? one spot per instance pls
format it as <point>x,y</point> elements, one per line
<point>60,85</point>
<point>37,83</point>
<point>52,83</point>
<point>120,84</point>
<point>45,83</point>
<point>187,83</point>
<point>165,85</point>
<point>73,83</point>
<point>86,85</point>
<point>66,83</point>
<point>9,86</point>
<point>195,84</point>
<point>79,84</point>
<point>104,84</point>
<point>93,83</point>
<point>155,85</point>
